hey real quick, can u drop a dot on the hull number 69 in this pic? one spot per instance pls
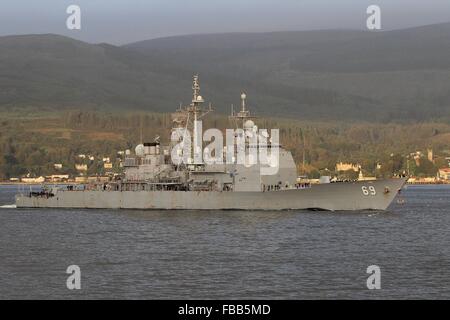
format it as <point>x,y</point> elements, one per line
<point>368,191</point>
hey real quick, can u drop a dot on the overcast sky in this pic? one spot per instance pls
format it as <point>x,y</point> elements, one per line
<point>125,21</point>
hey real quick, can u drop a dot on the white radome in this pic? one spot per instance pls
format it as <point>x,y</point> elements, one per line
<point>243,96</point>
<point>139,150</point>
<point>249,124</point>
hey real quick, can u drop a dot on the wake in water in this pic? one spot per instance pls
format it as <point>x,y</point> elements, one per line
<point>8,206</point>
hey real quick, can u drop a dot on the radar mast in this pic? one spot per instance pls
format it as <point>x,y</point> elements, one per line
<point>188,116</point>
<point>241,116</point>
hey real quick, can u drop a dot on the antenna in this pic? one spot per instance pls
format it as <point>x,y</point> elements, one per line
<point>197,101</point>
<point>190,114</point>
<point>243,114</point>
<point>195,88</point>
<point>243,97</point>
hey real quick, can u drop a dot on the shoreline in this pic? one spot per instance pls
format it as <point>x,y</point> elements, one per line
<point>38,184</point>
<point>3,183</point>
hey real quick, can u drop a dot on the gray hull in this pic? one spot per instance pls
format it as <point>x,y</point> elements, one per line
<point>376,195</point>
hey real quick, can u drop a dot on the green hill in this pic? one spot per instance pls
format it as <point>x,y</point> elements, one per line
<point>326,75</point>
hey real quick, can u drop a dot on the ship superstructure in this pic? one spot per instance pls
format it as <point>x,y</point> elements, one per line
<point>152,168</point>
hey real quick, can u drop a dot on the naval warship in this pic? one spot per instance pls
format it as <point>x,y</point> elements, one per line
<point>153,180</point>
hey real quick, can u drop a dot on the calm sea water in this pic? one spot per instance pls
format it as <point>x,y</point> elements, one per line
<point>274,255</point>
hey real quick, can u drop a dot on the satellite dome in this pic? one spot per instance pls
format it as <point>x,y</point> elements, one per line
<point>243,96</point>
<point>199,98</point>
<point>140,150</point>
<point>249,124</point>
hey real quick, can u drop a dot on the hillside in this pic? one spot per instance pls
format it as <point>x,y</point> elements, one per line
<point>49,71</point>
<point>326,75</point>
<point>32,144</point>
<point>397,74</point>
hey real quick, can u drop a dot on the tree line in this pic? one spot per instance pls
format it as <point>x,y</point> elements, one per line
<point>32,145</point>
